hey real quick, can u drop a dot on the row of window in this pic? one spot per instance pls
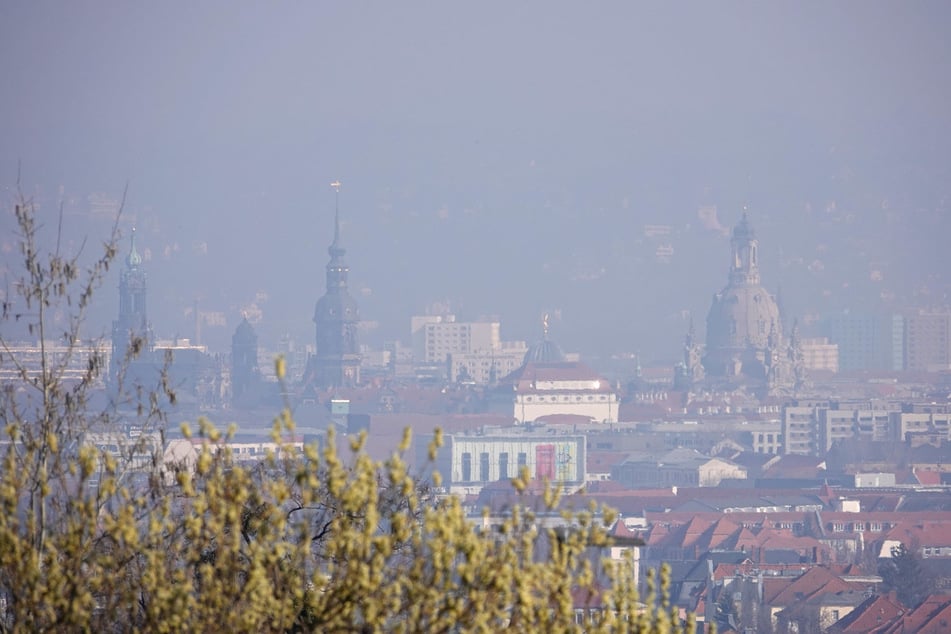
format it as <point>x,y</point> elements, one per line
<point>484,465</point>
<point>564,398</point>
<point>851,527</point>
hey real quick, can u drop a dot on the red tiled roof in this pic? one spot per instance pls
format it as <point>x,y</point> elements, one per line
<point>933,615</point>
<point>815,580</point>
<point>929,478</point>
<point>602,461</point>
<point>723,529</point>
<point>876,612</point>
<point>621,530</point>
<point>921,533</point>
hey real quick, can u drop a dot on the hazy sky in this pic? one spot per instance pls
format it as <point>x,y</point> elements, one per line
<point>505,157</point>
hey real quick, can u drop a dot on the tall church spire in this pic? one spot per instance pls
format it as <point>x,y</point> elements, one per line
<point>337,269</point>
<point>133,260</point>
<point>336,249</point>
<point>132,322</point>
<point>337,361</point>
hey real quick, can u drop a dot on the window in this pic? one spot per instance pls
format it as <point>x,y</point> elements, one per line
<point>484,467</point>
<point>522,460</point>
<point>503,465</point>
<point>467,467</point>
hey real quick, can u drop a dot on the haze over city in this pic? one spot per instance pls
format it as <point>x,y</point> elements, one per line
<point>505,160</point>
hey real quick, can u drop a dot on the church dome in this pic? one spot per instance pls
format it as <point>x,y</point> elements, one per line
<point>545,351</point>
<point>742,316</point>
<point>744,321</point>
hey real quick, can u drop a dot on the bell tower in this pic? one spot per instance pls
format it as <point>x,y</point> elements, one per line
<point>336,316</point>
<point>132,325</point>
<point>745,267</point>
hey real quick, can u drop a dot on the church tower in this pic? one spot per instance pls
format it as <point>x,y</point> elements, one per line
<point>745,267</point>
<point>244,361</point>
<point>133,320</point>
<point>337,362</point>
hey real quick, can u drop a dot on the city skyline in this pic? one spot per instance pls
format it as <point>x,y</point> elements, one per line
<point>587,163</point>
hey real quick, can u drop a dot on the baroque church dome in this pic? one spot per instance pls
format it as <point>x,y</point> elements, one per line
<point>744,321</point>
<point>546,350</point>
<point>741,316</point>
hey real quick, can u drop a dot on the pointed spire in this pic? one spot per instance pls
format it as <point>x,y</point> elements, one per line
<point>133,260</point>
<point>336,186</point>
<point>337,266</point>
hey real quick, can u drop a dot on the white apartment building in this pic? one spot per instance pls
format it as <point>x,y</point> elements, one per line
<point>486,366</point>
<point>819,354</point>
<point>435,337</point>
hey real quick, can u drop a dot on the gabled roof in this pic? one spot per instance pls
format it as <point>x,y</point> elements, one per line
<point>795,466</point>
<point>815,580</point>
<point>921,533</point>
<point>931,478</point>
<point>875,612</point>
<point>721,532</point>
<point>602,461</point>
<point>933,615</point>
<point>623,534</point>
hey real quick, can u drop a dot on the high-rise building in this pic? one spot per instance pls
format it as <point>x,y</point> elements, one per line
<point>928,340</point>
<point>337,359</point>
<point>866,341</point>
<point>132,326</point>
<point>819,354</point>
<point>435,337</point>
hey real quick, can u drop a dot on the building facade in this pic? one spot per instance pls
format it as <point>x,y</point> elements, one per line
<point>818,353</point>
<point>679,467</point>
<point>867,341</point>
<point>927,340</point>
<point>467,463</point>
<point>435,337</point>
<point>537,391</point>
<point>485,368</point>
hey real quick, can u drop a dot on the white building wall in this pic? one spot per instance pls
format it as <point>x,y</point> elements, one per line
<point>716,470</point>
<point>478,365</point>
<point>562,458</point>
<point>819,354</point>
<point>599,407</point>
